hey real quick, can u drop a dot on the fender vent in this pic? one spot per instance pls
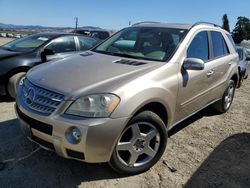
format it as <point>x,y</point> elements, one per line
<point>128,62</point>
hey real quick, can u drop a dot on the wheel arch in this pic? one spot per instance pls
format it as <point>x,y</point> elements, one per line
<point>235,78</point>
<point>156,107</point>
<point>15,71</point>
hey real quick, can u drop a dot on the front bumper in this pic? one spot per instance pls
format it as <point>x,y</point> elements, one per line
<point>99,135</point>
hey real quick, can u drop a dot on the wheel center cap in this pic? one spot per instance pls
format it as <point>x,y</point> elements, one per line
<point>139,144</point>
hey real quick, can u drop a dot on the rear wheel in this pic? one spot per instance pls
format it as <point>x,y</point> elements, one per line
<point>240,82</point>
<point>224,104</point>
<point>13,83</point>
<point>140,145</point>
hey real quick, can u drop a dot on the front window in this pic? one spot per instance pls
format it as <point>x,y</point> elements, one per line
<point>26,44</point>
<point>62,45</point>
<point>148,43</point>
<point>199,47</point>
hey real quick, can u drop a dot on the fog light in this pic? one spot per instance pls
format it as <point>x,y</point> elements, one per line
<point>73,135</point>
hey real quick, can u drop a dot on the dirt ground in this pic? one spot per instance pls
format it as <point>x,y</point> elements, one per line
<point>4,40</point>
<point>207,150</point>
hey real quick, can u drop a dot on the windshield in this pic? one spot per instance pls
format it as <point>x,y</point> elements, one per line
<point>150,43</point>
<point>25,44</point>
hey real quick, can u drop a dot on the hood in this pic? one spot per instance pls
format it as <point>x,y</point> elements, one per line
<point>6,54</point>
<point>80,74</point>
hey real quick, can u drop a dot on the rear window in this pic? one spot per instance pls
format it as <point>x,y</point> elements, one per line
<point>219,45</point>
<point>100,34</point>
<point>231,40</point>
<point>86,43</point>
<point>240,52</point>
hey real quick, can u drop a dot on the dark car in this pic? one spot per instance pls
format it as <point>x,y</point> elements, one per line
<point>18,56</point>
<point>244,61</point>
<point>101,34</point>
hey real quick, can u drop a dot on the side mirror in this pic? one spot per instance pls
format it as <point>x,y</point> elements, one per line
<point>45,53</point>
<point>248,58</point>
<point>193,64</point>
<point>48,52</point>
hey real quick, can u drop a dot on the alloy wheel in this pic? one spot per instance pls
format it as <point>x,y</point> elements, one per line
<point>138,144</point>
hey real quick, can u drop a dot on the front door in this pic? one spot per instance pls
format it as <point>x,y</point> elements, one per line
<point>61,48</point>
<point>194,84</point>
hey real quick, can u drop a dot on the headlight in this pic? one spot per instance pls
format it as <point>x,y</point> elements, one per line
<point>99,105</point>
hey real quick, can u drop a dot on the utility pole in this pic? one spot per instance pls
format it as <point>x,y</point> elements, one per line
<point>129,23</point>
<point>76,19</point>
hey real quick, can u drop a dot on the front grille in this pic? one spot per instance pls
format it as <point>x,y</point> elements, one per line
<point>38,99</point>
<point>40,126</point>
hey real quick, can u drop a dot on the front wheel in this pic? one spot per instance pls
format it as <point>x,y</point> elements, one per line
<point>224,104</point>
<point>140,145</point>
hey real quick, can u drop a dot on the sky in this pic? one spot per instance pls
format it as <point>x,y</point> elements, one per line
<point>116,14</point>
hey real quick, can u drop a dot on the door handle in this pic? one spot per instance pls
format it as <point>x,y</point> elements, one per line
<point>230,63</point>
<point>211,72</point>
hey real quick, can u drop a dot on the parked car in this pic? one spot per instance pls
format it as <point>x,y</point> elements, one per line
<point>117,102</point>
<point>18,56</point>
<point>97,33</point>
<point>243,65</point>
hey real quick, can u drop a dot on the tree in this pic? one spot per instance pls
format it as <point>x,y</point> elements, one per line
<point>242,29</point>
<point>225,22</point>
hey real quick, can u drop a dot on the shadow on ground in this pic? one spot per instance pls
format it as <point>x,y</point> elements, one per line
<point>44,168</point>
<point>209,111</point>
<point>227,166</point>
<point>5,98</point>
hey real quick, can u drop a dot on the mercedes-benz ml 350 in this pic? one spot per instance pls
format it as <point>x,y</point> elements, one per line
<point>117,102</point>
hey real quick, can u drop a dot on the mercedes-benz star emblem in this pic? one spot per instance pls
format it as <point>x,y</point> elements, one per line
<point>30,97</point>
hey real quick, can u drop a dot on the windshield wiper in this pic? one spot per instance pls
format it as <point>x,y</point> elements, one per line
<point>126,55</point>
<point>103,52</point>
<point>118,54</point>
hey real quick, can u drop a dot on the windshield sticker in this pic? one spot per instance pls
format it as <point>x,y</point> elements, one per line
<point>43,38</point>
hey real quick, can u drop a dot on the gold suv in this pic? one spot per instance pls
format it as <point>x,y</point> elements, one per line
<point>117,102</point>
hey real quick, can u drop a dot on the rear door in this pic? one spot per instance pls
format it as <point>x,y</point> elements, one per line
<point>219,65</point>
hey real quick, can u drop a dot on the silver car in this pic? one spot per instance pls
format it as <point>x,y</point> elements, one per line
<point>117,102</point>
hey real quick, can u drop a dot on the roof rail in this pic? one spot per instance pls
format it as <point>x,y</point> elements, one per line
<point>206,23</point>
<point>145,22</point>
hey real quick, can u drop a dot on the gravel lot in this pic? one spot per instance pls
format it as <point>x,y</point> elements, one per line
<point>4,40</point>
<point>207,150</point>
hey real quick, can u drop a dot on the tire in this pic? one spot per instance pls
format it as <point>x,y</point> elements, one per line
<point>13,83</point>
<point>135,152</point>
<point>240,82</point>
<point>223,105</point>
